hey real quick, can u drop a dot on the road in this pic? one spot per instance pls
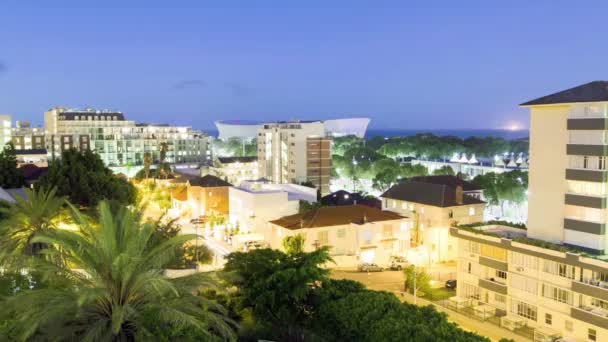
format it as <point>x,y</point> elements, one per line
<point>392,281</point>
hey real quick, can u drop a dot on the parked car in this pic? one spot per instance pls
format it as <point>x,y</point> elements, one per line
<point>250,245</point>
<point>369,267</point>
<point>450,284</point>
<point>398,263</point>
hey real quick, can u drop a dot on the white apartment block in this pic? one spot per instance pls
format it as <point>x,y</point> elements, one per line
<point>5,129</point>
<point>119,142</point>
<point>552,277</point>
<point>295,152</point>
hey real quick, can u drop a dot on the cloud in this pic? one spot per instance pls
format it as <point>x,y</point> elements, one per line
<point>238,89</point>
<point>187,84</point>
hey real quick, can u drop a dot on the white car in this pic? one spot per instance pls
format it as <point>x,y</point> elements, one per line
<point>250,245</point>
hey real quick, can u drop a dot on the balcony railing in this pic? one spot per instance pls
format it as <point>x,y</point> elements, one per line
<point>591,315</point>
<point>592,288</point>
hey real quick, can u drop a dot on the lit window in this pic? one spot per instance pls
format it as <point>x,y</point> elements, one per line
<point>592,335</point>
<point>471,211</point>
<point>422,210</point>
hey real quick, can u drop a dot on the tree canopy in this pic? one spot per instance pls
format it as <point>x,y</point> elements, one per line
<point>10,175</point>
<point>85,180</point>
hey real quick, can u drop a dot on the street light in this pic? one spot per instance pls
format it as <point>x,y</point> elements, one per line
<point>354,167</point>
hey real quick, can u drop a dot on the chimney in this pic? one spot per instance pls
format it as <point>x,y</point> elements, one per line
<point>459,195</point>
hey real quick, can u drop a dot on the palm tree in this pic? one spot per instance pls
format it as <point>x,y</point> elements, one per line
<point>114,288</point>
<point>37,212</point>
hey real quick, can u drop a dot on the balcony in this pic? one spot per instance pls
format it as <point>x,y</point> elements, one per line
<point>591,315</point>
<point>597,228</point>
<point>587,123</point>
<point>586,150</point>
<point>592,288</point>
<point>587,175</point>
<point>589,201</point>
<point>492,263</point>
<point>493,285</point>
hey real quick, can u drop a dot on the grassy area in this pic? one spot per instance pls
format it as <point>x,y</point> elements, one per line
<point>439,294</point>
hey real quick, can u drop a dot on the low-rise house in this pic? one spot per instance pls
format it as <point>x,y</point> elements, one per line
<point>255,203</point>
<point>355,233</point>
<point>31,173</point>
<point>468,188</point>
<point>205,196</point>
<point>36,157</point>
<point>434,208</point>
<point>235,169</point>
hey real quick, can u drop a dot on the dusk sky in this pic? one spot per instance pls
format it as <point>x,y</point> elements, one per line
<point>405,64</point>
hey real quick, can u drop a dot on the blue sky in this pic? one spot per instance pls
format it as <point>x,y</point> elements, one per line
<point>405,64</point>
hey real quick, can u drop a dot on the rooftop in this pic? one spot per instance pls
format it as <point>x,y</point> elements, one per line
<point>229,160</point>
<point>448,180</point>
<point>596,91</point>
<point>207,181</point>
<point>336,216</point>
<point>31,151</point>
<point>343,197</point>
<point>437,195</point>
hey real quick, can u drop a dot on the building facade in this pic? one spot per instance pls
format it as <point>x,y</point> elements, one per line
<point>295,152</point>
<point>552,277</point>
<point>122,143</point>
<point>434,209</point>
<point>355,233</point>
<point>5,129</point>
<point>235,169</point>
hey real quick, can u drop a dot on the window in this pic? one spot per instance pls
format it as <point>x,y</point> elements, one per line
<point>524,310</point>
<point>451,214</point>
<point>585,162</point>
<point>559,269</point>
<point>494,252</point>
<point>592,335</point>
<point>470,291</point>
<point>404,205</point>
<point>523,260</point>
<point>387,230</point>
<point>470,246</point>
<point>341,233</point>
<point>500,298</point>
<point>548,319</point>
<point>471,211</point>
<point>568,325</point>
<point>519,282</point>
<point>322,237</point>
<point>394,204</point>
<point>557,294</point>
<point>501,274</point>
<point>422,210</point>
<point>599,303</point>
<point>601,163</point>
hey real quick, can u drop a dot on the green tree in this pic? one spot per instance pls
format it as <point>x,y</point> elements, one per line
<point>371,316</point>
<point>294,244</point>
<point>111,286</point>
<point>10,175</point>
<point>37,213</point>
<point>147,163</point>
<point>278,287</point>
<point>385,179</point>
<point>422,280</point>
<point>444,170</point>
<point>85,180</point>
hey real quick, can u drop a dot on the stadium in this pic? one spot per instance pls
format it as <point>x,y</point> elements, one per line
<point>247,129</point>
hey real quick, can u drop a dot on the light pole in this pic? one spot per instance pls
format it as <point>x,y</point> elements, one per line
<point>415,288</point>
<point>354,167</point>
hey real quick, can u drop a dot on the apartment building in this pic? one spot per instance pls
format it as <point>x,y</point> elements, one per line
<point>355,233</point>
<point>5,129</point>
<point>26,137</point>
<point>295,152</point>
<point>435,204</point>
<point>121,143</point>
<point>235,169</point>
<point>552,277</point>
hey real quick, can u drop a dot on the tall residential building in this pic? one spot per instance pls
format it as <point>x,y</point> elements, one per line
<point>569,146</point>
<point>553,277</point>
<point>295,152</point>
<point>5,129</point>
<point>119,142</point>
